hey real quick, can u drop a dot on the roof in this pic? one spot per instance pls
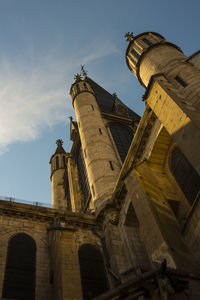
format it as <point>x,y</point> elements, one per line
<point>110,103</point>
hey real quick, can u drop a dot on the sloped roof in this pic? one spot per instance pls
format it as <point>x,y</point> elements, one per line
<point>107,102</point>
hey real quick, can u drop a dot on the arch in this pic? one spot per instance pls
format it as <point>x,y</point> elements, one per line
<point>122,136</point>
<point>19,278</point>
<point>93,276</point>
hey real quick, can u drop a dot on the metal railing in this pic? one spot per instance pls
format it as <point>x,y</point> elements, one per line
<point>35,203</point>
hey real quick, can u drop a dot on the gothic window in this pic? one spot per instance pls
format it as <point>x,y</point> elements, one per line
<point>57,162</point>
<point>67,190</point>
<point>185,175</point>
<point>78,88</point>
<point>85,86</point>
<point>93,275</point>
<point>19,279</point>
<point>122,137</point>
<point>180,81</point>
<point>64,163</point>
<point>83,178</point>
<point>147,42</point>
<point>135,53</point>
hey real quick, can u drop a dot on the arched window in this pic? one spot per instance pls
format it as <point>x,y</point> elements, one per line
<point>83,178</point>
<point>123,137</point>
<point>57,162</point>
<point>93,275</point>
<point>19,279</point>
<point>185,175</point>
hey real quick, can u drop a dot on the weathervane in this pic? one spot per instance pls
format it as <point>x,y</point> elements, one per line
<point>129,36</point>
<point>77,77</point>
<point>83,71</point>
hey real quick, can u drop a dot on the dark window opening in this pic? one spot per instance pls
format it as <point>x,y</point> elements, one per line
<point>122,137</point>
<point>135,53</point>
<point>92,107</point>
<point>100,132</point>
<point>78,88</point>
<point>67,191</point>
<point>83,178</point>
<point>93,276</point>
<point>57,162</point>
<point>85,86</point>
<point>181,81</point>
<point>64,162</point>
<point>185,175</point>
<point>147,42</point>
<point>93,191</point>
<point>111,165</point>
<point>19,279</point>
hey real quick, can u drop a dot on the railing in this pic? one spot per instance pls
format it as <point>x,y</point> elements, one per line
<point>12,199</point>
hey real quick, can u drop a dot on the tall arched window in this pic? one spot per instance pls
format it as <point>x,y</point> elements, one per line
<point>93,275</point>
<point>123,137</point>
<point>19,279</point>
<point>185,175</point>
<point>83,178</point>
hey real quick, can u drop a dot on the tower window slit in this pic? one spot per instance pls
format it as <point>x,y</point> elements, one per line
<point>64,162</point>
<point>181,81</point>
<point>92,107</point>
<point>85,86</point>
<point>147,42</point>
<point>135,53</point>
<point>100,132</point>
<point>78,88</point>
<point>57,162</point>
<point>111,165</point>
<point>83,174</point>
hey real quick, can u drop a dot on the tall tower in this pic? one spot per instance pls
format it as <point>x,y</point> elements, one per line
<point>92,106</point>
<point>173,84</point>
<point>58,165</point>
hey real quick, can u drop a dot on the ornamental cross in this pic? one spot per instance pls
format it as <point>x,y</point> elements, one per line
<point>129,36</point>
<point>59,143</point>
<point>77,77</point>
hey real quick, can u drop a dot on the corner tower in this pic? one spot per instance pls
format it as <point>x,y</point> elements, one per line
<point>173,83</point>
<point>92,105</point>
<point>58,166</point>
<point>149,53</point>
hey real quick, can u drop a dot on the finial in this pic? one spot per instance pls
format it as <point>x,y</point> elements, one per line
<point>129,36</point>
<point>77,77</point>
<point>59,143</point>
<point>83,71</point>
<point>114,95</point>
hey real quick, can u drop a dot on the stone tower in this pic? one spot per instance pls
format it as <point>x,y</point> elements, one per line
<point>98,150</point>
<point>173,83</point>
<point>58,165</point>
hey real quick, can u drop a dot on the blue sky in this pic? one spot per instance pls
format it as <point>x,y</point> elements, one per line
<point>42,46</point>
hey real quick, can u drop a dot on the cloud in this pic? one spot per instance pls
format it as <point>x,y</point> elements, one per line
<point>34,89</point>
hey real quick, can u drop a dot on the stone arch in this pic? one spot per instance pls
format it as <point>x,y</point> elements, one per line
<point>19,278</point>
<point>42,254</point>
<point>93,274</point>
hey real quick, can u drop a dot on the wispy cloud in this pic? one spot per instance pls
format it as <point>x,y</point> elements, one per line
<point>34,91</point>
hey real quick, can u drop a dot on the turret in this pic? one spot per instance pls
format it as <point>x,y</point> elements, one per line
<point>58,166</point>
<point>149,53</point>
<point>101,163</point>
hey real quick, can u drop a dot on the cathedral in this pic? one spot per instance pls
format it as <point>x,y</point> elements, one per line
<point>124,222</point>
